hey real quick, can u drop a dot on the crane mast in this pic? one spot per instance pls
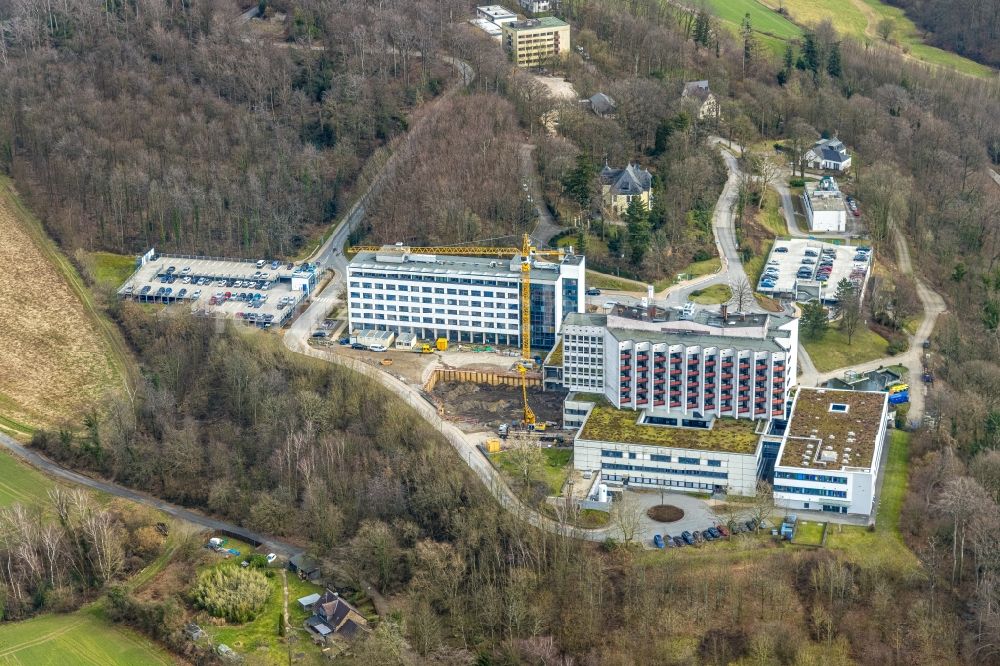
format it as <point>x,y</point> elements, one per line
<point>527,252</point>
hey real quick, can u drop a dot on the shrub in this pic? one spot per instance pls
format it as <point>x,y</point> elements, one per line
<point>797,182</point>
<point>230,592</point>
<point>897,345</point>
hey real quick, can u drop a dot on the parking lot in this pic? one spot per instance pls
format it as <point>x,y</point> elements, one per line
<point>804,269</point>
<point>261,293</point>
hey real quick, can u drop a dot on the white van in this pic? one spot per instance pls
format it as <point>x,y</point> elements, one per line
<point>261,263</point>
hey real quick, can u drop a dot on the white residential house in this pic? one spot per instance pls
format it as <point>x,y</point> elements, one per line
<point>496,14</point>
<point>698,92</point>
<point>537,6</point>
<point>828,154</point>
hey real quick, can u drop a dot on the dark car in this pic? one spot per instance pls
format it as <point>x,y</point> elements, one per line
<point>358,345</point>
<point>751,525</point>
<point>679,542</point>
<point>319,334</point>
<point>593,291</point>
<point>658,540</point>
<point>716,534</point>
<point>781,249</point>
<point>182,293</point>
<point>274,265</point>
<point>171,269</point>
<point>698,536</point>
<point>145,290</point>
<point>345,341</point>
<point>669,540</point>
<point>688,538</point>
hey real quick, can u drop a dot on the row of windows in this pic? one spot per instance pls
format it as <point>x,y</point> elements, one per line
<point>429,290</point>
<point>660,482</point>
<point>474,323</point>
<point>662,458</point>
<point>417,277</point>
<point>406,308</point>
<point>818,492</point>
<point>391,298</point>
<point>665,470</point>
<point>800,476</point>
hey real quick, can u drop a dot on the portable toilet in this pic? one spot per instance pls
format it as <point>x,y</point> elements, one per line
<point>602,493</point>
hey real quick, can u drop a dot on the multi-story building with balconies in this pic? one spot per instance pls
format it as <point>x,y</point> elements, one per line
<point>535,42</point>
<point>706,365</point>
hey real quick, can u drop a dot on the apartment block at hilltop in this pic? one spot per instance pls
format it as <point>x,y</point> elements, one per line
<point>535,42</point>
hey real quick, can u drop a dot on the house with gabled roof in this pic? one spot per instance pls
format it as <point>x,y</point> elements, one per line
<point>620,186</point>
<point>828,154</point>
<point>332,615</point>
<point>602,105</point>
<point>703,98</point>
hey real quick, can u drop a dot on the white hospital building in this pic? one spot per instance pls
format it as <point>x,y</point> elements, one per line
<point>831,451</point>
<point>461,298</point>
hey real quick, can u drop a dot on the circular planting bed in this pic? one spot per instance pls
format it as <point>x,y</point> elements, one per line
<point>665,513</point>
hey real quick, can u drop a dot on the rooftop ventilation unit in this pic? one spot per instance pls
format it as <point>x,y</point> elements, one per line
<point>828,456</point>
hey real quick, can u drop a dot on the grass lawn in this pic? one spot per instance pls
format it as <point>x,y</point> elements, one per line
<point>884,545</point>
<point>111,269</point>
<point>832,351</point>
<point>770,216</point>
<point>82,637</point>
<point>691,271</point>
<point>717,293</point>
<point>553,473</point>
<point>763,19</point>
<point>21,483</point>
<point>604,281</point>
<point>755,266</point>
<point>260,636</point>
<point>808,533</point>
<point>591,518</point>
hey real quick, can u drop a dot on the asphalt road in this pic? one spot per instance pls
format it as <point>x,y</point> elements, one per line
<point>270,544</point>
<point>546,227</point>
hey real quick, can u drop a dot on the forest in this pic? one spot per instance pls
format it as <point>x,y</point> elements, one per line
<point>967,27</point>
<point>146,123</point>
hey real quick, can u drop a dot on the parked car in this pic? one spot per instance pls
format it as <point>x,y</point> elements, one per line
<point>781,250</point>
<point>808,260</point>
<point>271,557</point>
<point>679,542</point>
<point>773,262</point>
<point>593,291</point>
<point>275,264</point>
<point>707,536</point>
<point>377,348</point>
<point>811,253</point>
<point>171,269</point>
<point>357,345</point>
<point>144,290</point>
<point>716,534</point>
<point>182,293</point>
<point>319,334</point>
<point>345,341</point>
<point>697,535</point>
<point>669,540</point>
<point>658,540</point>
<point>688,537</point>
<point>723,530</point>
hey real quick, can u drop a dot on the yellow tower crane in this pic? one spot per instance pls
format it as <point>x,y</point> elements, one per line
<point>529,414</point>
<point>527,251</point>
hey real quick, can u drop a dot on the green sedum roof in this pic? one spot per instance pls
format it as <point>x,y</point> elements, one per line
<point>607,424</point>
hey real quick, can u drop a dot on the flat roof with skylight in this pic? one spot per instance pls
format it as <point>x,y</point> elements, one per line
<point>624,426</point>
<point>833,429</point>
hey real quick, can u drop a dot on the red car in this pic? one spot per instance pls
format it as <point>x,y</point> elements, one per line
<point>722,529</point>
